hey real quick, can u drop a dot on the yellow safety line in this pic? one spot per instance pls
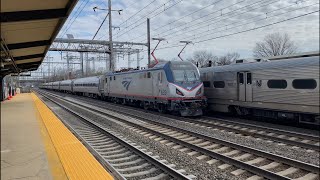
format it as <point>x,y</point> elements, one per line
<point>55,165</point>
<point>77,161</point>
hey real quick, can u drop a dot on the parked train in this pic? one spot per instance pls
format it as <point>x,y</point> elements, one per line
<point>279,89</point>
<point>173,86</point>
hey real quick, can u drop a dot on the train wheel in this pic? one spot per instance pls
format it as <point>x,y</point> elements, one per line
<point>162,108</point>
<point>145,106</point>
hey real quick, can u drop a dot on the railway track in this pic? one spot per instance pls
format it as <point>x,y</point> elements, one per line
<point>123,158</point>
<point>211,150</point>
<point>294,139</point>
<point>282,137</point>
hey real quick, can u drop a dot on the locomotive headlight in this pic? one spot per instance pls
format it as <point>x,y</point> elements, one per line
<point>179,92</point>
<point>199,91</point>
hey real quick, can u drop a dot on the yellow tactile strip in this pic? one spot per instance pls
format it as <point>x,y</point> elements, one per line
<point>77,161</point>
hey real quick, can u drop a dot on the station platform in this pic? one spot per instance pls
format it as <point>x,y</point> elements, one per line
<point>35,144</point>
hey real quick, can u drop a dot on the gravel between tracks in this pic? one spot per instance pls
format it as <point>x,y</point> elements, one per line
<point>272,147</point>
<point>192,165</point>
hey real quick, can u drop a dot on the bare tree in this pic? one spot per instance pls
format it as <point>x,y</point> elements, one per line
<point>274,45</point>
<point>228,58</point>
<point>203,58</point>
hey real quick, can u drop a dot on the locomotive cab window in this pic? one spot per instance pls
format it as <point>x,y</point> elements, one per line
<point>218,84</point>
<point>148,75</point>
<point>277,84</point>
<point>304,84</point>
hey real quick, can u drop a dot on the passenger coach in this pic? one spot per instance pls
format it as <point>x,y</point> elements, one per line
<point>279,89</point>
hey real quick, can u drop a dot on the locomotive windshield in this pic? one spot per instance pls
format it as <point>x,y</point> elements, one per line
<point>184,72</point>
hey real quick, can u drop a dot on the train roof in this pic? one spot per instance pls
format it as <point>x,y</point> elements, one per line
<point>158,66</point>
<point>66,81</point>
<point>87,79</point>
<point>286,63</point>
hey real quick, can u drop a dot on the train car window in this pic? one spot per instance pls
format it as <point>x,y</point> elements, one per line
<point>148,75</point>
<point>249,79</point>
<point>110,78</point>
<point>218,84</point>
<point>304,84</point>
<point>106,80</point>
<point>206,83</point>
<point>114,77</point>
<point>277,84</point>
<point>241,80</point>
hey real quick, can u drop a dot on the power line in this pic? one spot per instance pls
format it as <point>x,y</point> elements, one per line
<point>278,22</point>
<point>137,12</point>
<point>257,20</point>
<point>188,24</point>
<point>75,19</point>
<point>243,31</point>
<point>100,27</point>
<point>73,15</point>
<point>165,9</point>
<point>286,7</point>
<point>164,25</point>
<point>219,10</point>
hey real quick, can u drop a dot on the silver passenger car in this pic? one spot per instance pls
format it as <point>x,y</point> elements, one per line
<point>281,89</point>
<point>87,86</point>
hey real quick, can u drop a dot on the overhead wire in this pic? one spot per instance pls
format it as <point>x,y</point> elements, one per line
<point>219,10</point>
<point>257,20</point>
<point>164,25</point>
<point>75,18</point>
<point>222,20</point>
<point>154,10</point>
<point>243,31</point>
<point>137,12</point>
<point>72,16</point>
<point>188,24</point>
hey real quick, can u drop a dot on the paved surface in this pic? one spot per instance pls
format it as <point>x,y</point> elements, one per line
<point>23,153</point>
<point>77,161</point>
<point>35,144</point>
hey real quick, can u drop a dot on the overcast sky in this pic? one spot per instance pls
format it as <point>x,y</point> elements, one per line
<point>204,22</point>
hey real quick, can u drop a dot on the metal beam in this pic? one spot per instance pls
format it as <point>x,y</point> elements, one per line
<point>17,58</point>
<point>33,15</point>
<point>28,44</point>
<point>99,42</point>
<point>79,50</point>
<point>92,50</point>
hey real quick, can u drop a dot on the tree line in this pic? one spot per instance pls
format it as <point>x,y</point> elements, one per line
<point>274,44</point>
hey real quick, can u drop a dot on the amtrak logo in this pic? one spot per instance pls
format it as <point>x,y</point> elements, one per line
<point>189,88</point>
<point>259,83</point>
<point>126,84</point>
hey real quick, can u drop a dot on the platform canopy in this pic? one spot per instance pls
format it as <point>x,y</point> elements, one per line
<point>28,28</point>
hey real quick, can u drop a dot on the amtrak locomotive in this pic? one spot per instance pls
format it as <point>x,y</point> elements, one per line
<point>173,86</point>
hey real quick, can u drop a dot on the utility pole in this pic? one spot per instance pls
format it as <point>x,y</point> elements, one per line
<point>111,65</point>
<point>81,61</point>
<point>129,60</point>
<point>148,37</point>
<point>138,60</point>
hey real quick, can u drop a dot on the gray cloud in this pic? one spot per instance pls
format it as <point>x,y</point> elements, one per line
<point>304,31</point>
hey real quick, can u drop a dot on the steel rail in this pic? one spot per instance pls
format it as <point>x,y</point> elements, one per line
<point>250,168</point>
<point>172,172</point>
<point>262,128</point>
<point>255,134</point>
